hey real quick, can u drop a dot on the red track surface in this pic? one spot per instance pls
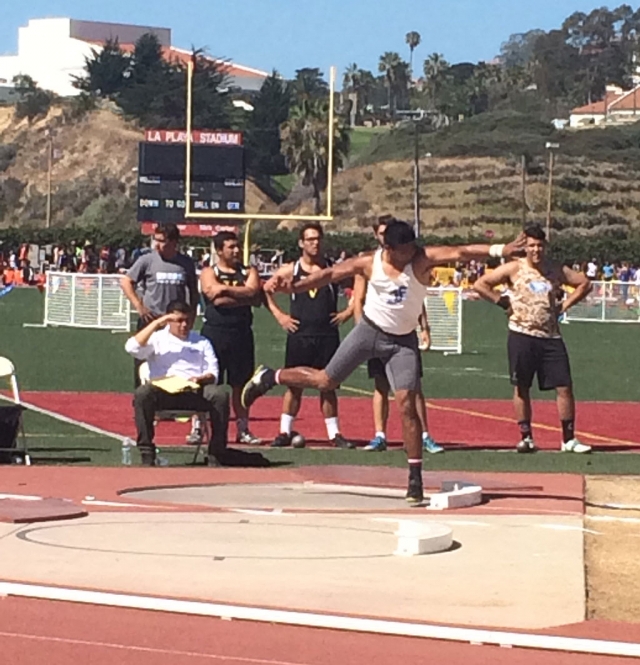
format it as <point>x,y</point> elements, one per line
<point>37,632</point>
<point>468,423</point>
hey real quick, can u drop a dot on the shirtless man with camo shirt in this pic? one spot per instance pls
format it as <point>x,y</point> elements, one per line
<point>535,345</point>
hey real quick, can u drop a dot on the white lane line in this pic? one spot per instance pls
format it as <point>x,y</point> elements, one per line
<point>328,621</point>
<point>139,649</point>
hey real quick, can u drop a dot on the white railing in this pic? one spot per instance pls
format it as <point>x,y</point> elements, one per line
<point>79,300</point>
<point>608,302</point>
<point>444,311</point>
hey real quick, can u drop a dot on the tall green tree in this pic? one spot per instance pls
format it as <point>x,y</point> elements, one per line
<point>105,71</point>
<point>435,68</point>
<point>412,40</point>
<point>33,101</point>
<point>389,65</point>
<point>262,134</point>
<point>309,85</point>
<point>305,145</point>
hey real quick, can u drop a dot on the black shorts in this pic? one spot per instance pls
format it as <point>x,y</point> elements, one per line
<point>313,352</point>
<point>236,354</point>
<point>376,369</point>
<point>545,357</point>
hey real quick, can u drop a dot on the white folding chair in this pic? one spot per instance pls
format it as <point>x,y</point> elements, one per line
<point>178,415</point>
<point>8,371</point>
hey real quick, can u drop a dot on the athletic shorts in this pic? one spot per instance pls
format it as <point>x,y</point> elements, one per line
<point>307,351</point>
<point>545,357</point>
<point>235,352</point>
<point>399,355</point>
<point>375,368</point>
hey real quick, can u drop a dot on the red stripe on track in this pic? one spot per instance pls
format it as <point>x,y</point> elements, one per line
<point>468,423</point>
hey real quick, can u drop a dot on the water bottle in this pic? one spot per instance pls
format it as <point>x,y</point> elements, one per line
<point>126,451</point>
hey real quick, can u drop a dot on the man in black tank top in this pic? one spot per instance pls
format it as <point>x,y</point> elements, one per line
<point>313,337</point>
<point>229,290</point>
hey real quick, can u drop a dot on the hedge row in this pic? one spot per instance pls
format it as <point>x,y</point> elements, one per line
<point>566,247</point>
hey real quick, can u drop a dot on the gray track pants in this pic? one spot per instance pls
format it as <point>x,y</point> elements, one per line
<point>399,353</point>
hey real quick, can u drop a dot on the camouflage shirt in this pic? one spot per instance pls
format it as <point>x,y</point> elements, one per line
<point>535,303</point>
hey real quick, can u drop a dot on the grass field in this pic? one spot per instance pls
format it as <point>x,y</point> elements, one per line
<point>605,357</point>
<point>606,366</point>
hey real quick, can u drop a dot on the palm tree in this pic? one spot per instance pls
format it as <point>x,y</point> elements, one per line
<point>434,67</point>
<point>351,78</point>
<point>305,145</point>
<point>388,65</point>
<point>413,40</point>
<point>351,84</point>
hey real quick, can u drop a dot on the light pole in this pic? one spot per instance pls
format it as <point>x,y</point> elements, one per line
<point>550,147</point>
<point>49,134</point>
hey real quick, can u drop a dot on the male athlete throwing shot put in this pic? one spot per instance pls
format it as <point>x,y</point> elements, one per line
<point>397,276</point>
<point>535,345</point>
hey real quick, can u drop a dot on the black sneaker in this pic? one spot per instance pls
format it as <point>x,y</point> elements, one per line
<point>415,493</point>
<point>259,384</point>
<point>340,442</point>
<point>282,441</point>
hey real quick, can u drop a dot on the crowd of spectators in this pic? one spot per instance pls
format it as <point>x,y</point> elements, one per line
<point>86,257</point>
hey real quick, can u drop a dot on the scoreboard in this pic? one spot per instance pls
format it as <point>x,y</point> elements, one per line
<point>217,175</point>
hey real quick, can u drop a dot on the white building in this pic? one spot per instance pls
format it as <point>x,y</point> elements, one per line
<point>53,50</point>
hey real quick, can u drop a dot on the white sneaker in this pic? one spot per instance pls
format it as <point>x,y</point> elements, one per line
<point>574,446</point>
<point>526,446</point>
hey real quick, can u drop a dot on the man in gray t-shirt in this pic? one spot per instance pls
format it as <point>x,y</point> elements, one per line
<point>162,276</point>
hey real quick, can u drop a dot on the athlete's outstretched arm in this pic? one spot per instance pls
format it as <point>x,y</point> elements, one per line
<point>581,283</point>
<point>359,265</point>
<point>486,285</point>
<point>437,256</point>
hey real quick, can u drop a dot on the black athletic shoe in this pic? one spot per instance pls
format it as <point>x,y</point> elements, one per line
<point>282,441</point>
<point>415,493</point>
<point>259,384</point>
<point>340,442</point>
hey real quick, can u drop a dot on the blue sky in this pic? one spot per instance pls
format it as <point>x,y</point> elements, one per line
<point>289,34</point>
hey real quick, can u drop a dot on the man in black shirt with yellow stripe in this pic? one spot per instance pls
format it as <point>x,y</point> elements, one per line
<point>312,334</point>
<point>230,290</point>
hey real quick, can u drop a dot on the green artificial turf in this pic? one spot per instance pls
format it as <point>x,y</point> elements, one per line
<point>605,359</point>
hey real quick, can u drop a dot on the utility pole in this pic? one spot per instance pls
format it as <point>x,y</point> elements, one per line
<point>49,135</point>
<point>550,147</point>
<point>416,179</point>
<point>524,191</point>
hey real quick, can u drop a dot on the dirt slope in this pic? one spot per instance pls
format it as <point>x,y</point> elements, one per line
<point>95,158</point>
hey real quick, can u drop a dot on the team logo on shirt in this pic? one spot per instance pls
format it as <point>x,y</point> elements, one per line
<point>313,293</point>
<point>170,278</point>
<point>397,296</point>
<point>539,287</point>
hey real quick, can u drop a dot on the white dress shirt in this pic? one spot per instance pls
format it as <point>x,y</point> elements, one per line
<point>169,355</point>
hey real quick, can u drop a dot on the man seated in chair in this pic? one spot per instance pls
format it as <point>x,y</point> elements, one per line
<point>172,349</point>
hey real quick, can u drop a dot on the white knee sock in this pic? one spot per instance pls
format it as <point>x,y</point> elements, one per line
<point>332,427</point>
<point>286,423</point>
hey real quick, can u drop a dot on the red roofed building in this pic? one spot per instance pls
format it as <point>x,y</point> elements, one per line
<point>618,105</point>
<point>53,50</point>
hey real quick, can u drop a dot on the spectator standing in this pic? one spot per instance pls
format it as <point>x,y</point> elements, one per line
<point>592,269</point>
<point>230,289</point>
<point>162,276</point>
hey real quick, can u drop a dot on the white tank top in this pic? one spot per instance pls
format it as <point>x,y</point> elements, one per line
<point>394,305</point>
